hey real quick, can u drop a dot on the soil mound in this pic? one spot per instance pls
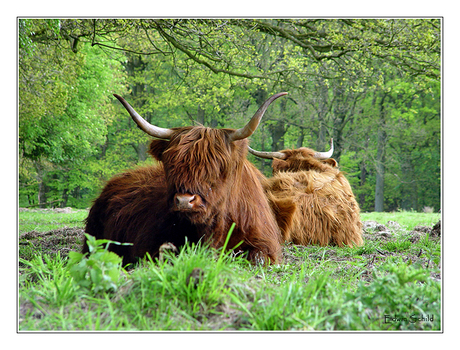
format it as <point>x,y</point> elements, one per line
<point>52,242</point>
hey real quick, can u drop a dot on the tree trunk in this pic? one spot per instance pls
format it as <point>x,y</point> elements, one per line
<point>363,176</point>
<point>338,128</point>
<point>277,132</point>
<point>409,188</point>
<point>380,180</point>
<point>200,115</point>
<point>41,185</point>
<point>278,129</point>
<point>322,135</point>
<point>134,65</point>
<point>141,150</point>
<point>380,165</point>
<point>65,198</point>
<point>301,138</point>
<point>362,183</point>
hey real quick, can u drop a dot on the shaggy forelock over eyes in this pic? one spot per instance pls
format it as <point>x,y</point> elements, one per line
<point>197,158</point>
<point>298,160</point>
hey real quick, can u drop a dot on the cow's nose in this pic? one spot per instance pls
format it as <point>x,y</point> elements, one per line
<point>184,201</point>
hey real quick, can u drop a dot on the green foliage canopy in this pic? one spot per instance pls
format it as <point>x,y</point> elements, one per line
<point>371,84</point>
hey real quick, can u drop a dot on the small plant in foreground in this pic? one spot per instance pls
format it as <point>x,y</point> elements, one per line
<point>100,270</point>
<point>402,297</point>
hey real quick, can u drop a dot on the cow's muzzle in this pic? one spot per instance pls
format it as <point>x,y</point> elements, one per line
<point>187,202</point>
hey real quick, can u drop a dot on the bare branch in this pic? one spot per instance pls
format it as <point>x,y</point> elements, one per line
<point>180,47</point>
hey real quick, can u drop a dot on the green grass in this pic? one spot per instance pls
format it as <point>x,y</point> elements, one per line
<point>227,297</point>
<point>407,219</point>
<point>43,221</point>
<point>315,288</point>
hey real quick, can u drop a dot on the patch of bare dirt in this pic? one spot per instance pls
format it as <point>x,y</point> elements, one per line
<point>66,210</point>
<point>52,242</point>
<point>371,256</point>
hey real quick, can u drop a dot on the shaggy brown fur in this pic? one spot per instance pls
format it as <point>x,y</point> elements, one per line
<point>313,201</point>
<point>139,205</point>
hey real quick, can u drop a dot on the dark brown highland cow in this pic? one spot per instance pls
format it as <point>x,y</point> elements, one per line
<point>202,184</point>
<point>311,198</point>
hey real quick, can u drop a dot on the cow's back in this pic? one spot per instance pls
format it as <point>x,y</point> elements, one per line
<point>326,211</point>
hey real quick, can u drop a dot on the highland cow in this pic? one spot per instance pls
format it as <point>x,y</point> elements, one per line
<point>311,198</point>
<point>202,184</point>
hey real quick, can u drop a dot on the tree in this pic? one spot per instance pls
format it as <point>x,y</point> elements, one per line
<point>223,46</point>
<point>63,113</point>
<point>44,91</point>
<point>342,76</point>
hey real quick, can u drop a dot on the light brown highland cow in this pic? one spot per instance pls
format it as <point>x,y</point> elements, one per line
<point>311,198</point>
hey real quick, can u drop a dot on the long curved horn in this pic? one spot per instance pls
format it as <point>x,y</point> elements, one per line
<point>145,126</point>
<point>267,155</point>
<point>325,155</point>
<point>250,127</point>
<point>281,155</point>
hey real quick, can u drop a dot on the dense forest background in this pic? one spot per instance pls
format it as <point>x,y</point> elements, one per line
<point>373,85</point>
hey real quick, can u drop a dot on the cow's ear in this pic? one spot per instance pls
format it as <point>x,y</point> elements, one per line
<point>332,162</point>
<point>279,165</point>
<point>157,147</point>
